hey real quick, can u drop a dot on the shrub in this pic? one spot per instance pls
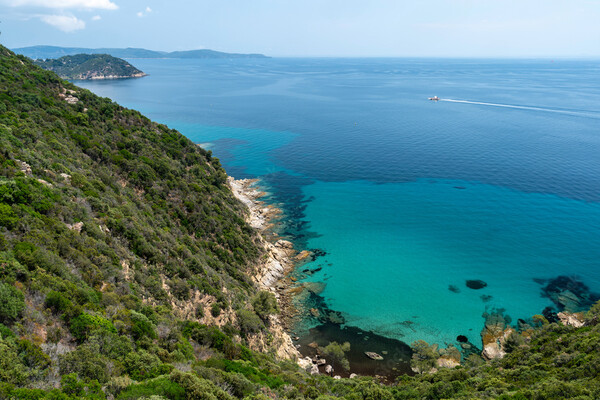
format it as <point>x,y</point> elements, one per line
<point>265,304</point>
<point>82,325</point>
<point>198,388</point>
<point>161,386</point>
<point>8,218</point>
<point>337,352</point>
<point>12,369</point>
<point>424,356</point>
<point>57,302</point>
<point>87,362</point>
<point>11,303</point>
<point>141,326</point>
<point>248,322</point>
<point>32,355</point>
<point>142,365</point>
<point>215,310</point>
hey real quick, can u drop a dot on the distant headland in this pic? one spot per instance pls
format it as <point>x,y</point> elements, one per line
<point>90,66</point>
<point>45,52</point>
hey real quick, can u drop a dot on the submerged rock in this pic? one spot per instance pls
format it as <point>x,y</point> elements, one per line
<point>453,288</point>
<point>550,314</point>
<point>476,284</point>
<point>462,339</point>
<point>569,294</point>
<point>486,298</point>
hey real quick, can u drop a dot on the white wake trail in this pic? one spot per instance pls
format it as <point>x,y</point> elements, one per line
<point>552,110</point>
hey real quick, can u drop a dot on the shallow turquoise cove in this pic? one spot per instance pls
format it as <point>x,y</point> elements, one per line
<point>394,249</point>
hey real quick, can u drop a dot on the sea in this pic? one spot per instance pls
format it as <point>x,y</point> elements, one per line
<point>404,199</point>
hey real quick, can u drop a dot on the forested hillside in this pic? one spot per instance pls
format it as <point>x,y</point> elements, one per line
<point>90,66</point>
<point>125,267</point>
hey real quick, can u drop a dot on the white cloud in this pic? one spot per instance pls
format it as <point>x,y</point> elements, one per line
<point>63,22</point>
<point>96,18</point>
<point>147,11</point>
<point>63,4</point>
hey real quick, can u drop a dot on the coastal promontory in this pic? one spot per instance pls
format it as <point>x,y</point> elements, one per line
<point>90,66</point>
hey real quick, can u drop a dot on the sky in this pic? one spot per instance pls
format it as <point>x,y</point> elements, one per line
<point>320,28</point>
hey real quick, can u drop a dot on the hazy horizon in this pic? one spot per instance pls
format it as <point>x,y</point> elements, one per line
<point>314,28</point>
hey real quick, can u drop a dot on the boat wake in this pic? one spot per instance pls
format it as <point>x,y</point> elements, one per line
<point>552,110</point>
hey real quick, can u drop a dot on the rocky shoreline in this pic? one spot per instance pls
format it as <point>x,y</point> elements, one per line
<point>277,262</point>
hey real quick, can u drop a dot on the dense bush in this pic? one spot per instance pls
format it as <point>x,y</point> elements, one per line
<point>84,324</point>
<point>11,303</point>
<point>265,304</point>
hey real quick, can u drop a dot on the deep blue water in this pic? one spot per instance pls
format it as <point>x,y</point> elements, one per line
<point>406,196</point>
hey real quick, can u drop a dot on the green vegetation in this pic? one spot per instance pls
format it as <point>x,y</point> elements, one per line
<point>90,66</point>
<point>113,228</point>
<point>337,353</point>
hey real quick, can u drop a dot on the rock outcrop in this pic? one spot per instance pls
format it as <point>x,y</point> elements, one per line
<point>494,335</point>
<point>576,319</point>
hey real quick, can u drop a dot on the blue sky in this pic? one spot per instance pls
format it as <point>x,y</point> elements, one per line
<point>392,28</point>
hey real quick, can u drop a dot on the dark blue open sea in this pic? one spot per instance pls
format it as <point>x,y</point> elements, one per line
<point>408,198</point>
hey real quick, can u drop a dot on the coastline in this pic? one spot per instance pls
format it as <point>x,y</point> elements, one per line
<point>272,274</point>
<point>277,261</point>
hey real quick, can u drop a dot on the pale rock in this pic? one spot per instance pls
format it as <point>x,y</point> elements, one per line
<point>76,226</point>
<point>24,167</point>
<point>305,363</point>
<point>66,177</point>
<point>337,377</point>
<point>576,319</point>
<point>314,370</point>
<point>45,183</point>
<point>328,369</point>
<point>495,348</point>
<point>303,255</point>
<point>353,376</point>
<point>447,362</point>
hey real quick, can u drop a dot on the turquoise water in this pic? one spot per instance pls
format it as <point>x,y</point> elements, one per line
<point>498,181</point>
<point>394,249</point>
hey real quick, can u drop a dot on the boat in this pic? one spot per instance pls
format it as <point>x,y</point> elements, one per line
<point>434,98</point>
<point>373,356</point>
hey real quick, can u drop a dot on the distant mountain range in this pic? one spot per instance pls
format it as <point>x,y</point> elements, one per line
<point>45,52</point>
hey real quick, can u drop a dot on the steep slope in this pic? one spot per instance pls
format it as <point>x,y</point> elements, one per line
<point>90,66</point>
<point>110,223</point>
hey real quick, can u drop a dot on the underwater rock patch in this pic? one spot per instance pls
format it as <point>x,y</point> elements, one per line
<point>453,288</point>
<point>569,294</point>
<point>476,284</point>
<point>462,339</point>
<point>550,314</point>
